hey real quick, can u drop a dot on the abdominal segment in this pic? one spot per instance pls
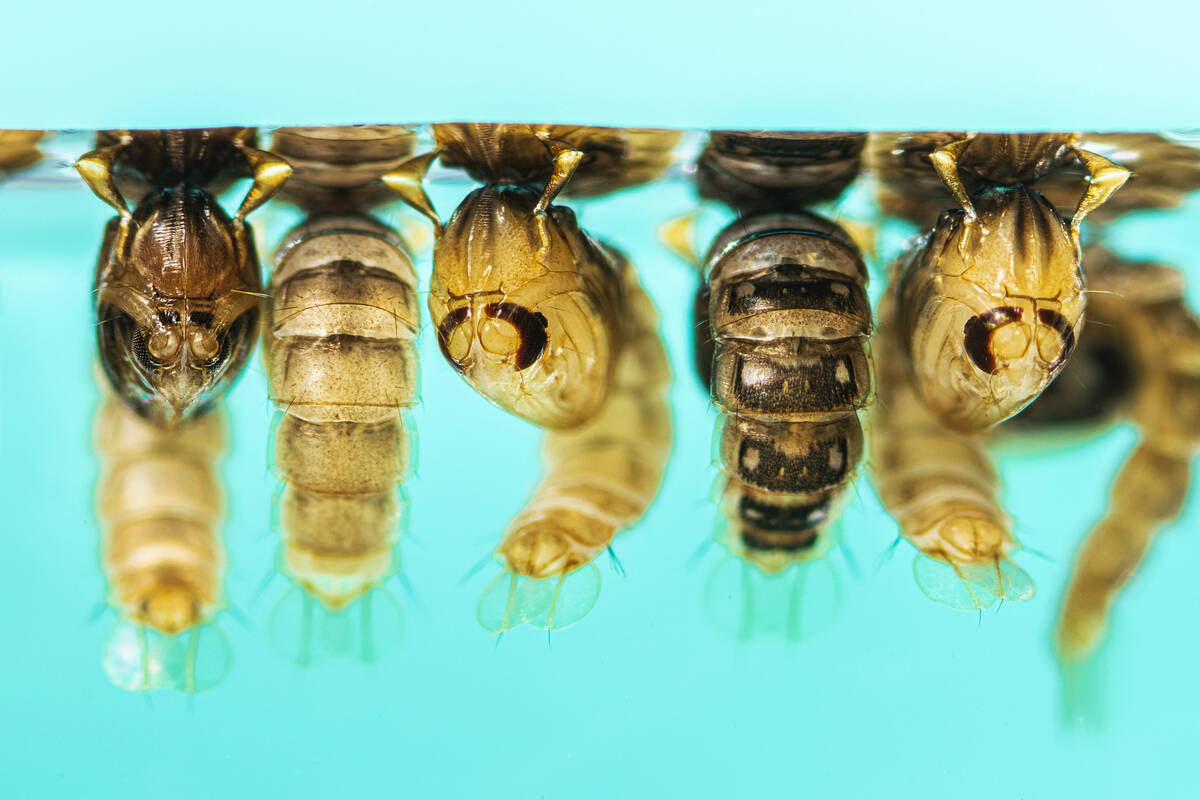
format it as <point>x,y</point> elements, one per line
<point>790,372</point>
<point>342,364</point>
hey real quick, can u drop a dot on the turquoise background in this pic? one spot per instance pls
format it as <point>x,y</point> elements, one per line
<point>896,697</point>
<point>874,64</point>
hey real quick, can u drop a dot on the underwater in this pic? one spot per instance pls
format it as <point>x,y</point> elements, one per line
<point>571,402</point>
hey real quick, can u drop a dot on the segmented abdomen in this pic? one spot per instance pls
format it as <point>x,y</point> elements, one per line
<point>600,477</point>
<point>938,484</point>
<point>160,503</point>
<point>790,319</point>
<point>342,365</point>
<point>1145,303</point>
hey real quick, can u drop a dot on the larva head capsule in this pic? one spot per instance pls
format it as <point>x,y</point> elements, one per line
<point>525,307</point>
<point>991,307</point>
<point>177,304</point>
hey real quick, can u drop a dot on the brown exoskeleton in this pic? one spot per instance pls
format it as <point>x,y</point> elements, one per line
<point>177,281</point>
<point>769,171</point>
<point>990,303</point>
<point>790,318</point>
<point>523,301</point>
<point>781,322</point>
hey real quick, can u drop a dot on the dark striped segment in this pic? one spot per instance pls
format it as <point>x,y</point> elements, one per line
<point>791,378</point>
<point>792,300</point>
<point>789,523</point>
<point>791,457</point>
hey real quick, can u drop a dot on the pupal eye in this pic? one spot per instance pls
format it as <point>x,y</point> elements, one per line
<point>140,351</point>
<point>219,348</point>
<point>162,346</point>
<point>977,335</point>
<point>1066,334</point>
<point>455,343</point>
<point>530,328</point>
<point>207,347</point>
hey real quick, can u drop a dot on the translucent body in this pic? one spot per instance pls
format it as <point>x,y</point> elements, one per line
<point>792,603</point>
<point>988,312</point>
<point>531,325</point>
<point>990,303</point>
<point>789,317</point>
<point>599,479</point>
<point>1144,305</point>
<point>341,361</point>
<point>521,299</point>
<point>159,503</point>
<point>941,488</point>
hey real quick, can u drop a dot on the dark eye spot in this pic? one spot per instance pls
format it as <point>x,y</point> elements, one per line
<point>446,327</point>
<point>977,335</point>
<point>1048,316</point>
<point>199,318</point>
<point>531,328</point>
<point>169,316</point>
<point>239,332</point>
<point>139,351</point>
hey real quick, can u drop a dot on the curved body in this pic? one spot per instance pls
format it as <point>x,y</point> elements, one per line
<point>177,278</point>
<point>991,303</point>
<point>601,476</point>
<point>941,488</point>
<point>989,311</point>
<point>599,479</point>
<point>1144,305</point>
<point>522,300</point>
<point>791,370</point>
<point>532,326</point>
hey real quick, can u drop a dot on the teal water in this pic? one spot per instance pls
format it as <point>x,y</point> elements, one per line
<point>895,697</point>
<point>870,64</point>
